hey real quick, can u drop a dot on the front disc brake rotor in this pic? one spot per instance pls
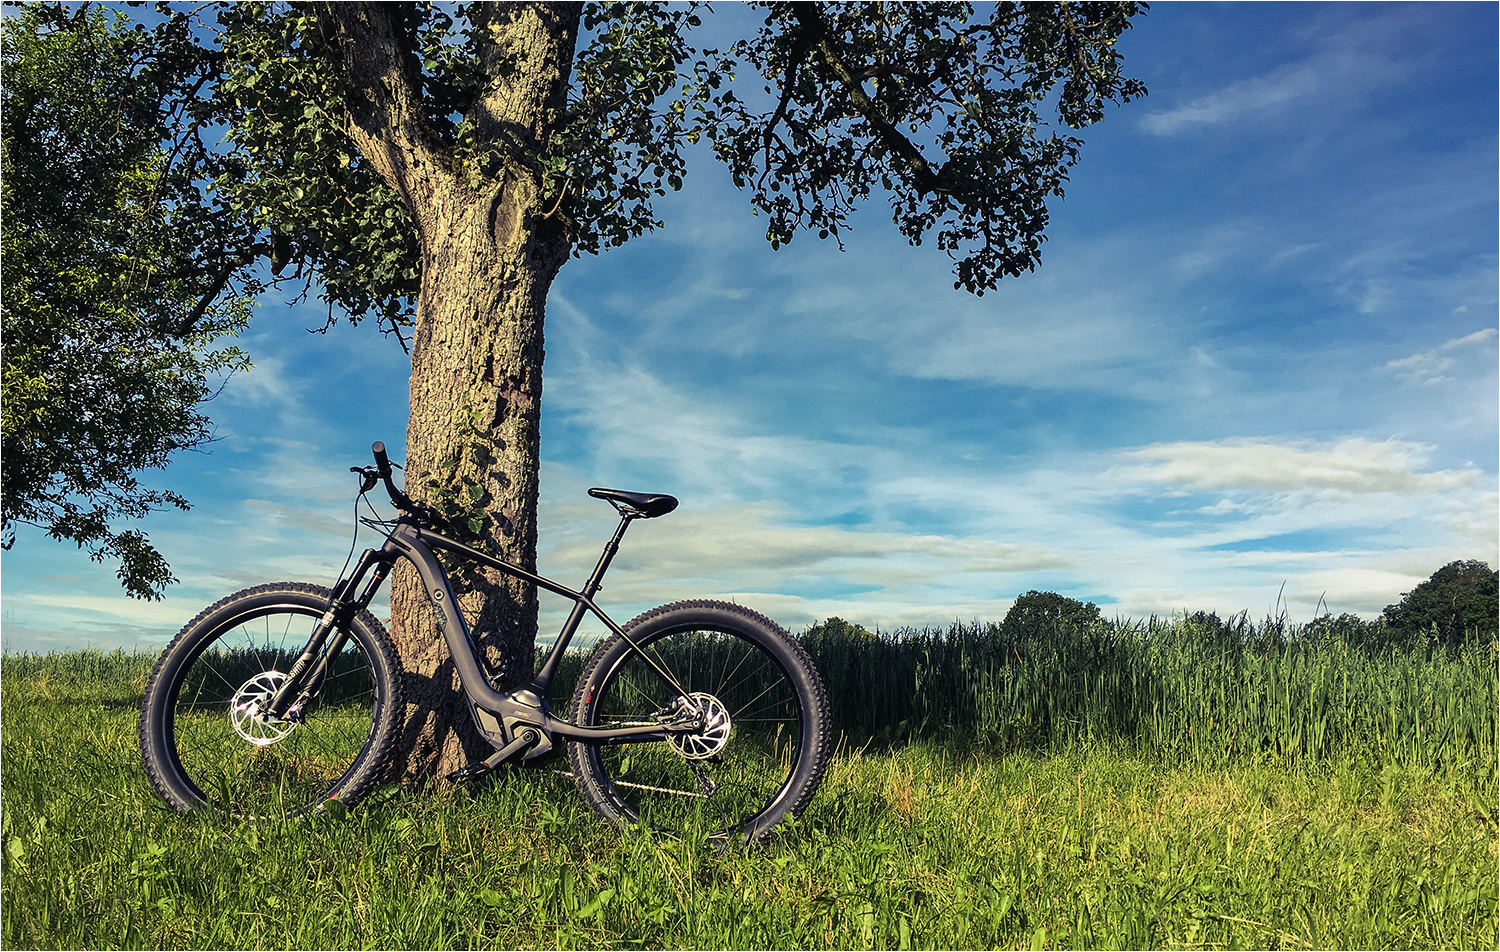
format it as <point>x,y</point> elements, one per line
<point>246,711</point>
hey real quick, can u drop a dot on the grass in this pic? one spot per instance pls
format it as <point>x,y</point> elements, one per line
<point>1176,690</point>
<point>949,841</point>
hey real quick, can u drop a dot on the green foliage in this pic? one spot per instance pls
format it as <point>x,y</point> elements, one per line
<point>1039,612</point>
<point>328,212</point>
<point>938,109</point>
<point>1458,603</point>
<point>299,177</point>
<point>837,628</point>
<point>120,277</point>
<point>930,847</point>
<point>622,142</point>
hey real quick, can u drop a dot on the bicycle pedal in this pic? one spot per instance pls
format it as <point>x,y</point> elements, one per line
<point>472,772</point>
<point>479,768</point>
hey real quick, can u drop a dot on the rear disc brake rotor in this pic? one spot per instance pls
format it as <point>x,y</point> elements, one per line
<point>712,738</point>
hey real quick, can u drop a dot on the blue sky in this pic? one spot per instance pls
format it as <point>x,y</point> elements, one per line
<point>1256,370</point>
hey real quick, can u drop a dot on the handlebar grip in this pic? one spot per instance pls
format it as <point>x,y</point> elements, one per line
<point>382,461</point>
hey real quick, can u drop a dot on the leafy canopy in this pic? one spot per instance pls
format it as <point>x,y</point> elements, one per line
<point>142,217</point>
<point>1048,612</point>
<point>1460,599</point>
<point>964,123</point>
<point>118,274</point>
<point>944,112</point>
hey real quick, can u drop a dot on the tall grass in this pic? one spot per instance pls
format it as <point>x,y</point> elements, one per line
<point>1167,789</point>
<point>1180,690</point>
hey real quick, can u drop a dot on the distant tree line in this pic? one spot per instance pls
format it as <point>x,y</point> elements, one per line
<point>1415,686</point>
<point>1459,604</point>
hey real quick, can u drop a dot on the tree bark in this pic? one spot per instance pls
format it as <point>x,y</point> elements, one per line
<point>489,253</point>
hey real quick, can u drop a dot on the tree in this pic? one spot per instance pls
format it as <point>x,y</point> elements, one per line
<point>1459,599</point>
<point>837,629</point>
<point>117,277</point>
<point>1045,612</point>
<point>438,166</point>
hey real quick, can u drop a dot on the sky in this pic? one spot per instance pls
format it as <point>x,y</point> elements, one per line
<point>1256,371</point>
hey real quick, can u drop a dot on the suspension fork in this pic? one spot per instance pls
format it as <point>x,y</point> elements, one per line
<point>310,670</point>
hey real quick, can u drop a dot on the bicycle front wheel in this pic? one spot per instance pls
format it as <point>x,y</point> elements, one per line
<point>205,742</point>
<point>763,747</point>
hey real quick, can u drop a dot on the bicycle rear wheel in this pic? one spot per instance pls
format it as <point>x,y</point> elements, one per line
<point>762,752</point>
<point>204,742</point>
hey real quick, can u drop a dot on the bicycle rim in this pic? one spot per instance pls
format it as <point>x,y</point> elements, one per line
<point>253,767</point>
<point>726,780</point>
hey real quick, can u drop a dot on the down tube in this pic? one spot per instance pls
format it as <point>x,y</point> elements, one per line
<point>412,543</point>
<point>407,542</point>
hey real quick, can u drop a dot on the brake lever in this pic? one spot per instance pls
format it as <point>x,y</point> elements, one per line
<point>369,477</point>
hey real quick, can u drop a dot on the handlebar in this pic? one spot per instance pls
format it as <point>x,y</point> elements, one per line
<point>382,473</point>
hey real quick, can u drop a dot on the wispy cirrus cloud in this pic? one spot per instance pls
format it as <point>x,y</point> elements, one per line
<point>1249,97</point>
<point>1349,58</point>
<point>1431,367</point>
<point>1284,466</point>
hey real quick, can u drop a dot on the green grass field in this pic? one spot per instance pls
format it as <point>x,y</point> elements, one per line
<point>943,834</point>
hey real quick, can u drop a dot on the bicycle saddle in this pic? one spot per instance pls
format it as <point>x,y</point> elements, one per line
<point>645,505</point>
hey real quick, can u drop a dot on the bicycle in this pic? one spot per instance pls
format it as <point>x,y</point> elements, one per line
<point>283,698</point>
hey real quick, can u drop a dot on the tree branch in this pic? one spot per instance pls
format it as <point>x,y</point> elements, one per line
<point>383,108</point>
<point>799,50</point>
<point>923,174</point>
<point>221,281</point>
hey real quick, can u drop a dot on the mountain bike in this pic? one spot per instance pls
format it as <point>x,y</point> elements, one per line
<point>283,698</point>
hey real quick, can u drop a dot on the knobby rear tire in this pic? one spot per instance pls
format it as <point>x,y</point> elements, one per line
<point>776,749</point>
<point>196,759</point>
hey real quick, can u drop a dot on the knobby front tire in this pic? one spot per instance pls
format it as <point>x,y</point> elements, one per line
<point>200,748</point>
<point>761,760</point>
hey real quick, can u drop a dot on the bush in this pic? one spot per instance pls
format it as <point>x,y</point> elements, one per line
<point>836,628</point>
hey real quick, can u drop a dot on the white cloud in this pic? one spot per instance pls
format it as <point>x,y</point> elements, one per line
<point>1355,57</point>
<point>266,385</point>
<point>1247,97</point>
<point>1431,367</point>
<point>762,556</point>
<point>1353,465</point>
<point>1086,322</point>
<point>113,610</point>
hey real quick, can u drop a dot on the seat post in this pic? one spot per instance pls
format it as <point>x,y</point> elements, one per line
<point>596,580</point>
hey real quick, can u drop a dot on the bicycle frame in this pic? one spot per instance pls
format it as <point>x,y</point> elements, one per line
<point>512,721</point>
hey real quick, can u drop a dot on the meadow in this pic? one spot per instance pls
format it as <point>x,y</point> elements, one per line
<point>1168,784</point>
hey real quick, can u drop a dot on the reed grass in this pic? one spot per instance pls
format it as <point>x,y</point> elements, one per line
<point>1180,690</point>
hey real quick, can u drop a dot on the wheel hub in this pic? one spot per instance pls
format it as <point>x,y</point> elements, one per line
<point>715,734</point>
<point>247,710</point>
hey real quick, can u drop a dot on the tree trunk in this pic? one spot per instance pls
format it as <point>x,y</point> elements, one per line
<point>489,252</point>
<point>473,449</point>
